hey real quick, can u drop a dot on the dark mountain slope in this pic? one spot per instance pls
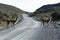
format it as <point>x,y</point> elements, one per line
<point>50,7</point>
<point>47,13</point>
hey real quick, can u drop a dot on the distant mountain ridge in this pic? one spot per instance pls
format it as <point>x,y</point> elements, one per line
<point>48,7</point>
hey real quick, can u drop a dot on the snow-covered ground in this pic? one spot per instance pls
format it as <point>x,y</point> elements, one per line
<point>30,29</point>
<point>21,31</point>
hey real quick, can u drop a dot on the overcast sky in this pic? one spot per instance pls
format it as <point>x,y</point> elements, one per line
<point>29,5</point>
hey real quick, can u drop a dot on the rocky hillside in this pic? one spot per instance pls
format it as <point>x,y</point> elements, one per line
<point>9,15</point>
<point>47,13</point>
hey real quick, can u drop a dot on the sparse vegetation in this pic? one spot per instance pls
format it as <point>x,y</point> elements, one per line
<point>9,14</point>
<point>46,12</point>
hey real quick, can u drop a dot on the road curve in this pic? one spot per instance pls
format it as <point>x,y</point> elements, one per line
<point>21,31</point>
<point>30,29</point>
